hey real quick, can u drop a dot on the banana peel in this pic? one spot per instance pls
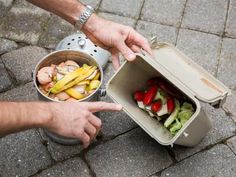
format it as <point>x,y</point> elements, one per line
<point>66,79</point>
<point>73,93</point>
<point>97,76</point>
<point>94,84</point>
<point>82,76</point>
<point>83,83</point>
<point>80,88</point>
<point>91,77</point>
<point>85,65</point>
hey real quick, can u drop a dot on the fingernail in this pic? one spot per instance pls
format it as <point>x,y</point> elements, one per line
<point>119,107</point>
<point>131,57</point>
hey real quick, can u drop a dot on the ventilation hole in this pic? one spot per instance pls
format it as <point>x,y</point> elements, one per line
<point>86,38</point>
<point>79,37</point>
<point>68,43</point>
<point>95,50</point>
<point>91,54</point>
<point>72,39</point>
<point>95,45</point>
<point>68,48</point>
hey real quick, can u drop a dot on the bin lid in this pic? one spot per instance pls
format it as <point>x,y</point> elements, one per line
<point>201,84</point>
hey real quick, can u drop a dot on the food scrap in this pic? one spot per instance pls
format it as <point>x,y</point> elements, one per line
<point>68,81</point>
<point>165,103</point>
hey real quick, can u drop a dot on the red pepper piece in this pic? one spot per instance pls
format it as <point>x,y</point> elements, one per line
<point>156,106</point>
<point>170,105</point>
<point>149,95</point>
<point>138,96</point>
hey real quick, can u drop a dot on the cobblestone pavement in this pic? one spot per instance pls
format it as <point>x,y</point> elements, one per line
<point>204,30</point>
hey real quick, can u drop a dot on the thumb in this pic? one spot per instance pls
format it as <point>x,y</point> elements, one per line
<point>102,106</point>
<point>126,51</point>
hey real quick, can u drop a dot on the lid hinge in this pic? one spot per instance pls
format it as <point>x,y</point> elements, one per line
<point>219,103</point>
<point>155,44</point>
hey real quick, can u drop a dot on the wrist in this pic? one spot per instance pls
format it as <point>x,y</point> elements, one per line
<point>40,114</point>
<point>92,24</point>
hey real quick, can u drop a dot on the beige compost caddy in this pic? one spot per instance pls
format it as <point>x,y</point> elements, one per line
<point>194,82</point>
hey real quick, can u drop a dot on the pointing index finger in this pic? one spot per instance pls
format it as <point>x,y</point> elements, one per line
<point>103,106</point>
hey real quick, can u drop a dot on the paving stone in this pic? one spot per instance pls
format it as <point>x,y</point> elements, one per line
<point>60,152</point>
<point>26,4</point>
<point>70,168</point>
<point>164,33</point>
<point>22,154</point>
<point>227,64</point>
<point>108,73</point>
<point>155,175</point>
<point>232,144</point>
<point>218,161</point>
<point>22,61</point>
<point>57,29</point>
<point>119,19</point>
<point>166,12</point>
<point>132,154</point>
<point>129,8</point>
<point>7,45</point>
<point>25,92</point>
<point>222,128</point>
<point>4,78</point>
<point>208,16</point>
<point>24,23</point>
<point>93,3</point>
<point>115,123</point>
<point>5,5</point>
<point>231,21</point>
<point>230,105</point>
<point>201,47</point>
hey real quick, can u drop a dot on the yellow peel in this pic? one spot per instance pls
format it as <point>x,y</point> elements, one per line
<point>68,78</point>
<point>73,93</point>
<point>85,65</point>
<point>91,77</point>
<point>84,83</point>
<point>80,78</point>
<point>94,84</point>
<point>97,76</point>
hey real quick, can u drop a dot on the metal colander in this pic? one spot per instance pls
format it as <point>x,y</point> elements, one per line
<point>80,42</point>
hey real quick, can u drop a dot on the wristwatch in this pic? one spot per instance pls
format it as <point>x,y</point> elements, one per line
<point>88,11</point>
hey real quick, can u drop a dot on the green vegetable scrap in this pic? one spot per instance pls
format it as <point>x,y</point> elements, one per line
<point>186,111</point>
<point>186,106</point>
<point>173,115</point>
<point>174,128</point>
<point>161,95</point>
<point>184,114</point>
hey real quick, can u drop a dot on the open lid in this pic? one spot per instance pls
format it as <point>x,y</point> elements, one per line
<point>198,81</point>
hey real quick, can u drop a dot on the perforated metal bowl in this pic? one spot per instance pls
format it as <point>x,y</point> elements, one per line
<point>81,43</point>
<point>57,57</point>
<point>79,48</point>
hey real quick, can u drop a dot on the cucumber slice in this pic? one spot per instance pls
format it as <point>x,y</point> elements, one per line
<point>141,105</point>
<point>163,110</point>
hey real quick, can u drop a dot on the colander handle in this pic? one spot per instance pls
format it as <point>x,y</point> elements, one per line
<point>102,92</point>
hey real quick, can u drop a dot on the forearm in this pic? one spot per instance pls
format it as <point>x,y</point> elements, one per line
<point>17,116</point>
<point>66,9</point>
<point>70,11</point>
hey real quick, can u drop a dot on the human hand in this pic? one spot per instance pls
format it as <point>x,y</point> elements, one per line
<point>76,119</point>
<point>115,38</point>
